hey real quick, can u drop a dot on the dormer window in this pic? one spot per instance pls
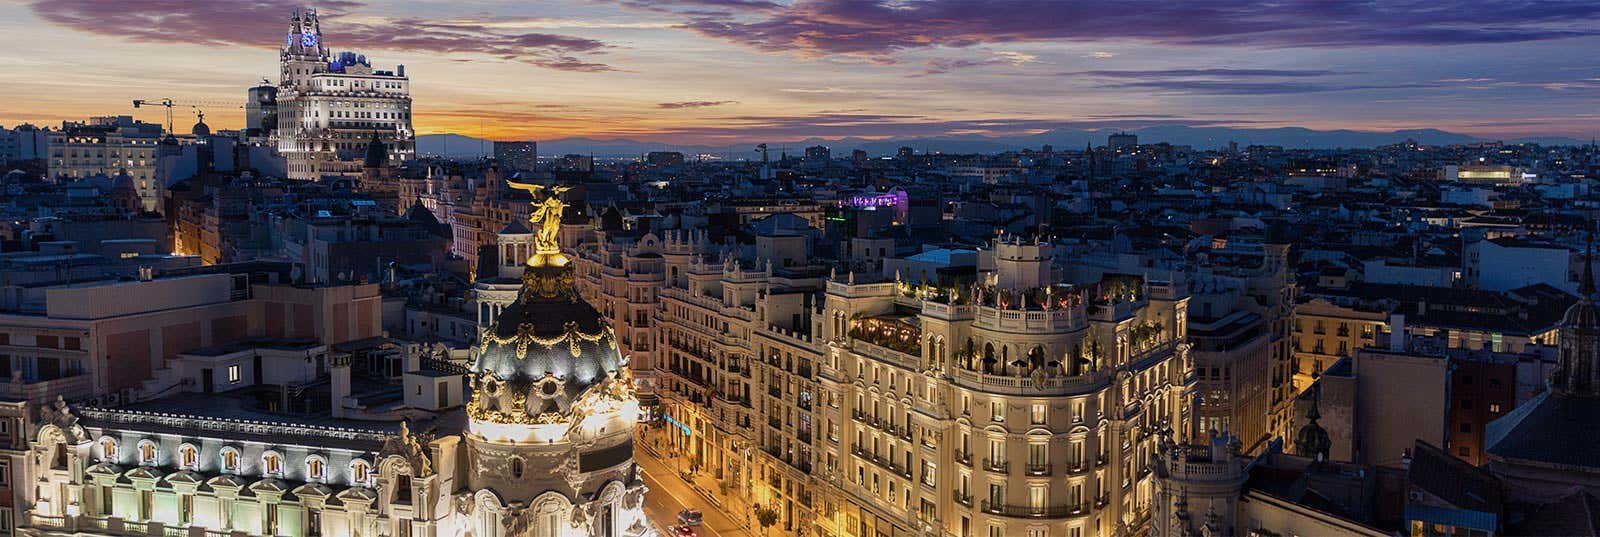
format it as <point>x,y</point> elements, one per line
<point>188,457</point>
<point>108,449</point>
<point>316,468</point>
<point>360,473</point>
<point>230,460</point>
<point>272,464</point>
<point>147,453</point>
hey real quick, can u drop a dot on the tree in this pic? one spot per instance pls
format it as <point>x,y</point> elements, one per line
<point>766,518</point>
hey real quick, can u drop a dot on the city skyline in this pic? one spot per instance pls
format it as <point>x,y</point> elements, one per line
<point>714,71</point>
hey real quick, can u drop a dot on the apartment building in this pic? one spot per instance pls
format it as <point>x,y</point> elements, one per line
<point>851,405</point>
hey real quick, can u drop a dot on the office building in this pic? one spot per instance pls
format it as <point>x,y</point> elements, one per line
<point>330,106</point>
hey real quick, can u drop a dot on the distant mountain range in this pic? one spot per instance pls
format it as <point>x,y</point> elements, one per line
<point>455,145</point>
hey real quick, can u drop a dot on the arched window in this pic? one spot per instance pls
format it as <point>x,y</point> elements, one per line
<point>272,463</point>
<point>108,449</point>
<point>230,459</point>
<point>316,468</point>
<point>360,473</point>
<point>147,453</point>
<point>516,467</point>
<point>188,457</point>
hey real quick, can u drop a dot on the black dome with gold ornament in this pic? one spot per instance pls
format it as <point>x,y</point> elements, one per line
<point>546,348</point>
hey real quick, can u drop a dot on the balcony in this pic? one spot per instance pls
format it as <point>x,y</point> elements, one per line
<point>964,458</point>
<point>1037,469</point>
<point>775,423</point>
<point>996,466</point>
<point>964,499</point>
<point>803,436</point>
<point>1030,511</point>
<point>775,391</point>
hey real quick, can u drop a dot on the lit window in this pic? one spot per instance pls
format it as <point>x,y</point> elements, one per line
<point>360,472</point>
<point>314,468</point>
<point>147,452</point>
<point>108,449</point>
<point>230,459</point>
<point>272,463</point>
<point>233,374</point>
<point>189,457</point>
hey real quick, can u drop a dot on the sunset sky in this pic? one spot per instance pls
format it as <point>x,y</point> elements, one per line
<point>708,71</point>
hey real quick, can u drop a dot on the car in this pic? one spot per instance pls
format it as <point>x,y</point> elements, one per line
<point>682,531</point>
<point>690,517</point>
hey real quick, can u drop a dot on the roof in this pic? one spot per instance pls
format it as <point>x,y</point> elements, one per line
<point>1576,514</point>
<point>1453,480</point>
<point>1550,429</point>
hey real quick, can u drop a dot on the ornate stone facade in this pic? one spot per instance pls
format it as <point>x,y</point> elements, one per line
<point>544,447</point>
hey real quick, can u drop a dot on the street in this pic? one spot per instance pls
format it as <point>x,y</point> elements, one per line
<point>669,494</point>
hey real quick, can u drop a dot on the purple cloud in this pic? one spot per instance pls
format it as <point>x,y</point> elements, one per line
<point>240,23</point>
<point>877,29</point>
<point>836,125</point>
<point>692,104</point>
<point>1223,73</point>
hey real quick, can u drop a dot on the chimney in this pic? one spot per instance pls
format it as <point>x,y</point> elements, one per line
<point>1397,332</point>
<point>338,382</point>
<point>414,357</point>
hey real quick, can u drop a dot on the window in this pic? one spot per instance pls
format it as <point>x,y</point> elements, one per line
<point>360,473</point>
<point>1494,407</point>
<point>1466,427</point>
<point>997,409</point>
<point>516,467</point>
<point>272,463</point>
<point>185,508</point>
<point>108,449</point>
<point>188,457</point>
<point>1037,414</point>
<point>147,453</point>
<point>233,374</point>
<point>230,459</point>
<point>316,468</point>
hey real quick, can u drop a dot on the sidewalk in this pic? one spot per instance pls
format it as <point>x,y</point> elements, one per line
<point>664,471</point>
<point>733,507</point>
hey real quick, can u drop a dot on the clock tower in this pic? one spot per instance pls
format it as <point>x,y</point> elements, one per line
<point>303,52</point>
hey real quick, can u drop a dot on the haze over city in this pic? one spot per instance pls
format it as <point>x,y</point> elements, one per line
<point>734,71</point>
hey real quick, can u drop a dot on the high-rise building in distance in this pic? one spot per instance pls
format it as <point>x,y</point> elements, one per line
<point>261,110</point>
<point>516,156</point>
<point>1122,140</point>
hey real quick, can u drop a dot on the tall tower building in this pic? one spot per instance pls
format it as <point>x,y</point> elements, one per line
<point>329,106</point>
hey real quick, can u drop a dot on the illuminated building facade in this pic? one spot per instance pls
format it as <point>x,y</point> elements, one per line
<point>538,440</point>
<point>329,107</point>
<point>1014,406</point>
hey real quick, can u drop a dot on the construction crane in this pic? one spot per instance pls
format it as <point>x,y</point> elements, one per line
<point>195,104</point>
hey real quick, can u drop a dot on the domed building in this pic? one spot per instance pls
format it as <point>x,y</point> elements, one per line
<point>200,129</point>
<point>549,440</point>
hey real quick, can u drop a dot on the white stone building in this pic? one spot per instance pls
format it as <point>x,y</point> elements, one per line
<point>330,106</point>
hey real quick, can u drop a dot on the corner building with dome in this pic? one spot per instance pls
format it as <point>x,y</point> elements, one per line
<point>541,447</point>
